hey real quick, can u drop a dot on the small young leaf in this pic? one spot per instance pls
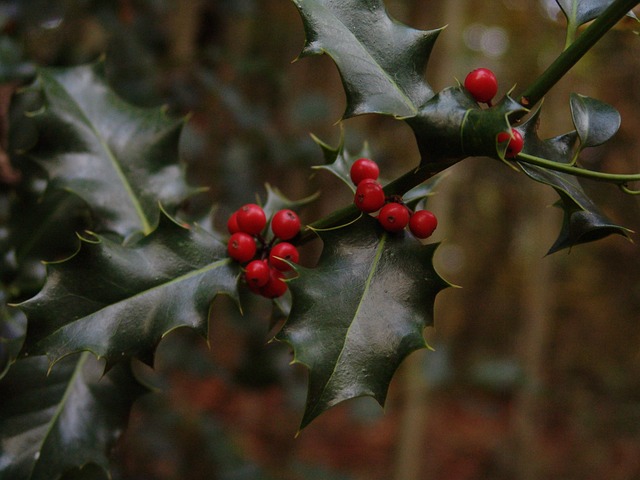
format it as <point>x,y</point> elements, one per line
<point>380,60</point>
<point>595,121</point>
<point>338,160</point>
<point>119,301</point>
<point>579,12</point>
<point>583,220</point>
<point>51,423</point>
<point>360,312</point>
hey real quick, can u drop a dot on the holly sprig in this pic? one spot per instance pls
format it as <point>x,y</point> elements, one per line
<point>141,273</point>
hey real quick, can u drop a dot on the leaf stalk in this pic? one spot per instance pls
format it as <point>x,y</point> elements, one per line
<point>619,179</point>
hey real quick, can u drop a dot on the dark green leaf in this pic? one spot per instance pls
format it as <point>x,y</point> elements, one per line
<point>49,231</point>
<point>595,121</point>
<point>452,125</point>
<point>583,220</point>
<point>120,159</point>
<point>360,312</point>
<point>54,422</point>
<point>381,61</point>
<point>119,301</point>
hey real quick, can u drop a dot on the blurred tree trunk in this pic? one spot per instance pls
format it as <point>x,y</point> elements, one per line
<point>537,317</point>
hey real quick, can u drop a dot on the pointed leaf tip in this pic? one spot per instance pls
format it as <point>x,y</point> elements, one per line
<point>360,312</point>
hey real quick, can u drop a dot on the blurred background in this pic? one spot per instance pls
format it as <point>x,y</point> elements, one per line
<point>535,372</point>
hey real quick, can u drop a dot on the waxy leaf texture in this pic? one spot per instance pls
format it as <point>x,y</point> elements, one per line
<point>360,312</point>
<point>120,159</point>
<point>381,61</point>
<point>118,301</point>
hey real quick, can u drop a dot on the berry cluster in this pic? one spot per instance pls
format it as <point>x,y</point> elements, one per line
<point>266,262</point>
<point>394,215</point>
<point>482,84</point>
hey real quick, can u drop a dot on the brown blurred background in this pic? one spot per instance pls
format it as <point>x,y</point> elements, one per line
<point>536,368</point>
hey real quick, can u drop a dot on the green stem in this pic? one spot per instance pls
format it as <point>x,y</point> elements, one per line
<point>574,52</point>
<point>619,179</point>
<point>400,186</point>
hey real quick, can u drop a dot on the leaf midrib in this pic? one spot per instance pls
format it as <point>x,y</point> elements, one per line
<point>61,404</point>
<point>401,92</point>
<point>367,285</point>
<point>145,222</point>
<point>175,280</point>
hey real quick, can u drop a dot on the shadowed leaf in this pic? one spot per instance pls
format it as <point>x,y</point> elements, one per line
<point>54,422</point>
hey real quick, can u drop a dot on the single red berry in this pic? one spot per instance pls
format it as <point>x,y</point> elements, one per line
<point>232,223</point>
<point>423,223</point>
<point>285,224</point>
<point>515,145</point>
<point>394,217</point>
<point>257,273</point>
<point>251,219</point>
<point>241,247</point>
<point>286,251</point>
<point>482,84</point>
<point>364,168</point>
<point>276,286</point>
<point>369,196</point>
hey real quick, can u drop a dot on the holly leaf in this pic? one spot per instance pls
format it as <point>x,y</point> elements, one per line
<point>120,300</point>
<point>53,422</point>
<point>579,12</point>
<point>381,61</point>
<point>276,200</point>
<point>360,312</point>
<point>120,159</point>
<point>583,221</point>
<point>338,160</point>
<point>595,121</point>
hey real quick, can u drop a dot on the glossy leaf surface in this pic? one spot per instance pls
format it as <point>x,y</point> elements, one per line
<point>119,301</point>
<point>360,312</point>
<point>120,159</point>
<point>381,61</point>
<point>595,121</point>
<point>579,12</point>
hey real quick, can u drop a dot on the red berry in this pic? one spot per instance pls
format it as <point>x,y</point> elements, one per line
<point>232,223</point>
<point>515,145</point>
<point>257,273</point>
<point>423,223</point>
<point>481,84</point>
<point>364,168</point>
<point>241,247</point>
<point>286,251</point>
<point>394,217</point>
<point>285,224</point>
<point>251,219</point>
<point>369,196</point>
<point>276,286</point>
